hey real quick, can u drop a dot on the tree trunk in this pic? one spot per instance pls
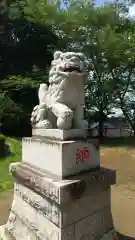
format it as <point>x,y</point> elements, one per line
<point>101,129</point>
<point>101,124</point>
<point>131,122</point>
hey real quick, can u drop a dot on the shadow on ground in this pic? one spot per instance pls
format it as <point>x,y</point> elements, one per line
<point>124,237</point>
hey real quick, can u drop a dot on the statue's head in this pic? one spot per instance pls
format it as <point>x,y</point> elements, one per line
<point>68,64</point>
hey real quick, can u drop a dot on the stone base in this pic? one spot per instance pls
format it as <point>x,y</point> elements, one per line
<point>111,235</point>
<point>57,134</point>
<point>2,233</point>
<point>61,158</point>
<point>47,209</point>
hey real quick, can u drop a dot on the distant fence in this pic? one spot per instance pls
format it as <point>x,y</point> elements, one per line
<point>114,132</point>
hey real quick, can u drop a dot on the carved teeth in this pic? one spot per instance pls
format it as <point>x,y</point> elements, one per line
<point>72,69</point>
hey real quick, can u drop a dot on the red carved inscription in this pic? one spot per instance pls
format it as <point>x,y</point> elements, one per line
<point>82,155</point>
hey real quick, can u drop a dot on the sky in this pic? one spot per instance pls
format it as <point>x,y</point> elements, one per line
<point>132,12</point>
<point>131,9</point>
<point>101,1</point>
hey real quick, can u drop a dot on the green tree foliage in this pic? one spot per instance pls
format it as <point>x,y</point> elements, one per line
<point>103,33</point>
<point>108,42</point>
<point>26,50</point>
<point>88,31</point>
<point>11,115</point>
<point>21,96</point>
<point>24,43</point>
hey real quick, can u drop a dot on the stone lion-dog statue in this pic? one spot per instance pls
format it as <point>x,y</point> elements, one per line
<point>61,105</point>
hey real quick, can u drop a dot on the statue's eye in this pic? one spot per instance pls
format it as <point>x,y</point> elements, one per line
<point>61,58</point>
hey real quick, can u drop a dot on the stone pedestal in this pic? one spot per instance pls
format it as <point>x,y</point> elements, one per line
<point>57,134</point>
<point>61,158</point>
<point>50,204</point>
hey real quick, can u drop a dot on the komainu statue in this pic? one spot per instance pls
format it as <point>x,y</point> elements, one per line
<point>61,105</point>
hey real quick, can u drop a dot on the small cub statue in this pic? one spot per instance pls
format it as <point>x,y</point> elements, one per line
<point>61,105</point>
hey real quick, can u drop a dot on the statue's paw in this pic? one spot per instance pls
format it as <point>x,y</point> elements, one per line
<point>32,120</point>
<point>39,113</point>
<point>45,124</point>
<point>38,108</point>
<point>33,117</point>
<point>64,124</point>
<point>68,115</point>
<point>42,105</point>
<point>35,108</point>
<point>34,113</point>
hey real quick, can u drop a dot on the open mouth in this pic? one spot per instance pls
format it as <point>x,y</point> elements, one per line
<point>72,69</point>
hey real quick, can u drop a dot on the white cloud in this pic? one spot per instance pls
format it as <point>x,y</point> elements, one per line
<point>131,13</point>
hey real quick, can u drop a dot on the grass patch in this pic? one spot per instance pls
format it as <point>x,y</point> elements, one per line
<point>6,181</point>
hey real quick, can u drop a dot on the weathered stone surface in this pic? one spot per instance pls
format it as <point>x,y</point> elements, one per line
<point>45,206</point>
<point>60,158</point>
<point>17,228</point>
<point>111,235</point>
<point>36,222</point>
<point>95,226</point>
<point>60,134</point>
<point>26,220</point>
<point>66,190</point>
<point>76,210</point>
<point>65,214</point>
<point>36,181</point>
<point>90,228</point>
<point>88,183</point>
<point>4,235</point>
